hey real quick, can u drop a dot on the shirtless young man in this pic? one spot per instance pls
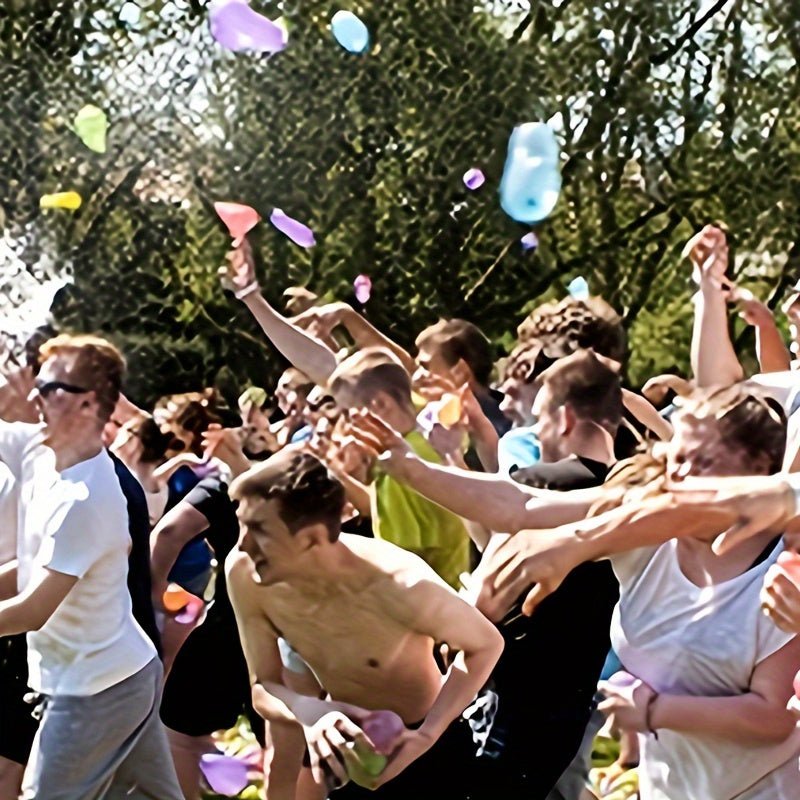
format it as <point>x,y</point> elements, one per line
<point>364,615</point>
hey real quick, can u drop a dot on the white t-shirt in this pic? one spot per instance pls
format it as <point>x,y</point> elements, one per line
<point>8,514</point>
<point>683,639</point>
<point>75,522</point>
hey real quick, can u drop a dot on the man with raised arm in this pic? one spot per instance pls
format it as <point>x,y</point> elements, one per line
<point>364,616</point>
<point>372,378</point>
<point>579,408</point>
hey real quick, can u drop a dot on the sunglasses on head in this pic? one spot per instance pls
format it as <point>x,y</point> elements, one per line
<point>46,388</point>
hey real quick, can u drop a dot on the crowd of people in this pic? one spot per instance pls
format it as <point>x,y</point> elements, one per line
<point>509,557</point>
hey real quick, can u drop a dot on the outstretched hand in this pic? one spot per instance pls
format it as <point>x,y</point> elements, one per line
<point>708,252</point>
<point>753,311</point>
<point>753,504</point>
<point>380,441</point>
<point>239,274</point>
<point>16,385</point>
<point>656,389</point>
<point>532,561</point>
<point>780,594</point>
<point>327,739</point>
<point>226,445</point>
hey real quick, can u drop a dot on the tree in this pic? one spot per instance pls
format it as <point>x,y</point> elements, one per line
<point>670,114</point>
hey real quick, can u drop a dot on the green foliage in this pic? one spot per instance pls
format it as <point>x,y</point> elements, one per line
<point>670,114</point>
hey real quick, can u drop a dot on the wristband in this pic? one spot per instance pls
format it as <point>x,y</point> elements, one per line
<point>648,712</point>
<point>249,289</point>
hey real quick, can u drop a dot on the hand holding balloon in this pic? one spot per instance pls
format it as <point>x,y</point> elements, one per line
<point>365,761</point>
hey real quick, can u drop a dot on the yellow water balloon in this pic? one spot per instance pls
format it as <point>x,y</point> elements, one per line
<point>69,200</point>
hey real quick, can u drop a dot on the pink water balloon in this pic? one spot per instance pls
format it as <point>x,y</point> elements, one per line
<point>238,218</point>
<point>224,774</point>
<point>383,728</point>
<point>237,27</point>
<point>621,679</point>
<point>362,286</point>
<point>529,241</point>
<point>299,233</point>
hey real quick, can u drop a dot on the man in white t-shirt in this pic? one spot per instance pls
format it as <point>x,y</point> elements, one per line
<point>97,672</point>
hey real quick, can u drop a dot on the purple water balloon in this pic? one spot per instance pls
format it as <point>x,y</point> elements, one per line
<point>362,286</point>
<point>383,728</point>
<point>529,241</point>
<point>224,774</point>
<point>300,234</point>
<point>474,179</point>
<point>622,679</point>
<point>236,26</point>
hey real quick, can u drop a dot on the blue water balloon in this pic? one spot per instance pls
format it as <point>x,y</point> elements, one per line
<point>531,180</point>
<point>537,140</point>
<point>529,189</point>
<point>350,32</point>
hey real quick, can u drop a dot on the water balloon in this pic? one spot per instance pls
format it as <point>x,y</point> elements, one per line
<point>299,233</point>
<point>350,32</point>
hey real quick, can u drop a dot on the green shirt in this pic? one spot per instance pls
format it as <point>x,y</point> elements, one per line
<point>411,521</point>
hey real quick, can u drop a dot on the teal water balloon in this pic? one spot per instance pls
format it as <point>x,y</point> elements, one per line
<point>531,180</point>
<point>537,140</point>
<point>529,190</point>
<point>350,32</point>
<point>578,288</point>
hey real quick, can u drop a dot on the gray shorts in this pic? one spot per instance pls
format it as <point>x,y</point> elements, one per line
<point>107,745</point>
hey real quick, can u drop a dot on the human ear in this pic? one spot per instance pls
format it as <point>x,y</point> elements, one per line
<point>461,372</point>
<point>566,420</point>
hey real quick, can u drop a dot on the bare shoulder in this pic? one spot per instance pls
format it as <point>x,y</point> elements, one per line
<point>239,576</point>
<point>237,565</point>
<point>405,588</point>
<point>399,566</point>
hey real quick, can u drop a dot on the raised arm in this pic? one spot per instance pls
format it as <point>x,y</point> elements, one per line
<point>495,502</point>
<point>773,355</point>
<point>300,348</point>
<point>537,561</point>
<point>714,361</point>
<point>360,329</point>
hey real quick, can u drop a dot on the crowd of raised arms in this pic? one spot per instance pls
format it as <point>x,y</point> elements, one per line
<point>426,575</point>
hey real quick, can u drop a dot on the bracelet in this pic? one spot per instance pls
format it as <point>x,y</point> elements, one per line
<point>249,289</point>
<point>648,712</point>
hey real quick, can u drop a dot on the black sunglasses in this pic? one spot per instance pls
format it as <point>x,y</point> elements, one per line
<point>48,387</point>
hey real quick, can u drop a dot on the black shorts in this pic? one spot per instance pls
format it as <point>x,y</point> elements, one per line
<point>208,686</point>
<point>443,772</point>
<point>17,724</point>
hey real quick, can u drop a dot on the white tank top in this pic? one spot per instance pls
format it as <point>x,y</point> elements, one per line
<point>683,639</point>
